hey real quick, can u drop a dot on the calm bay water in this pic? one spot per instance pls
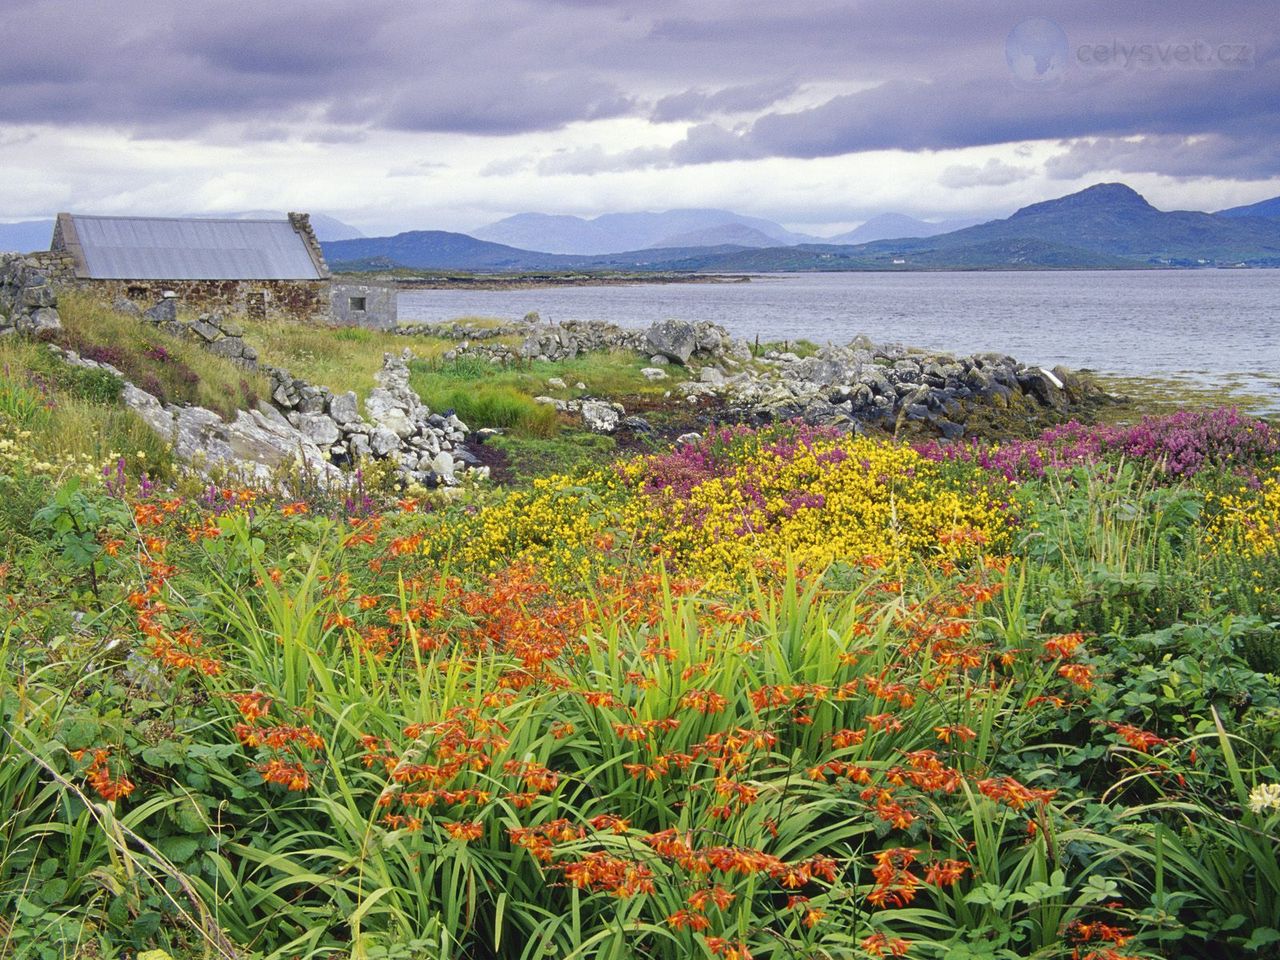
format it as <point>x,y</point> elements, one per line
<point>1214,327</point>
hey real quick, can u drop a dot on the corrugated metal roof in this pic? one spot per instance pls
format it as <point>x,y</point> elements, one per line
<point>154,248</point>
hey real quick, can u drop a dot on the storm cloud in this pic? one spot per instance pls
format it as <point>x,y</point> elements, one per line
<point>575,89</point>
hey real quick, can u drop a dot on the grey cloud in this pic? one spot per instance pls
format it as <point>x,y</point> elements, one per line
<point>1216,156</point>
<point>994,173</point>
<point>929,75</point>
<point>698,104</point>
<point>507,167</point>
<point>486,107</point>
<point>948,114</point>
<point>592,160</point>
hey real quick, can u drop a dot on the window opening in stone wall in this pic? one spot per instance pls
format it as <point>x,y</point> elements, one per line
<point>136,293</point>
<point>357,304</point>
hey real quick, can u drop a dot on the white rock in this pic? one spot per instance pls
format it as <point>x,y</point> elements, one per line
<point>600,417</point>
<point>443,466</point>
<point>320,429</point>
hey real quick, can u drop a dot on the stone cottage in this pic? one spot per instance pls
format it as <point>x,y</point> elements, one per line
<point>259,268</point>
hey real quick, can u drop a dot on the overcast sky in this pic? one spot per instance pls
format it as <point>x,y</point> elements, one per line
<point>448,114</point>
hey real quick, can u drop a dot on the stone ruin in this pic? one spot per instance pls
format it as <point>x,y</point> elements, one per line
<point>302,424</point>
<point>28,300</point>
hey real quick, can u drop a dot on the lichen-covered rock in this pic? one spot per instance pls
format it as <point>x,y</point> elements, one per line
<point>256,443</point>
<point>674,339</point>
<point>600,417</point>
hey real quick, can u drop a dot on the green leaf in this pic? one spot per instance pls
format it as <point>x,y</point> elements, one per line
<point>1261,937</point>
<point>189,816</point>
<point>164,754</point>
<point>52,891</point>
<point>146,925</point>
<point>178,849</point>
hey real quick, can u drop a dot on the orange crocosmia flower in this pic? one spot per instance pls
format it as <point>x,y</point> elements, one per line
<point>884,721</point>
<point>704,701</point>
<point>720,947</point>
<point>1013,794</point>
<point>960,732</point>
<point>687,920</point>
<point>1080,674</point>
<point>109,788</point>
<point>607,821</point>
<point>1063,646</point>
<point>292,776</point>
<point>881,945</point>
<point>848,738</point>
<point>253,706</point>
<point>945,873</point>
<point>294,509</point>
<point>464,831</point>
<point>1141,740</point>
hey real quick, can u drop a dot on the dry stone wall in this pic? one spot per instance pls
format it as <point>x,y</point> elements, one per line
<point>28,300</point>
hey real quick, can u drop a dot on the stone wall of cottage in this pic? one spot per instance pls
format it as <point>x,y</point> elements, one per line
<point>304,300</point>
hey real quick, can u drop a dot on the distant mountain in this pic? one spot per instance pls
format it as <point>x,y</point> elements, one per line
<point>735,234</point>
<point>622,232</point>
<point>26,236</point>
<point>895,226</point>
<point>1263,208</point>
<point>1114,220</point>
<point>440,250</point>
<point>331,228</point>
<point>1105,226</point>
<point>1017,254</point>
<point>325,227</point>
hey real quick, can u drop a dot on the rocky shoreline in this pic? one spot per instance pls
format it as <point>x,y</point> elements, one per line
<point>856,386</point>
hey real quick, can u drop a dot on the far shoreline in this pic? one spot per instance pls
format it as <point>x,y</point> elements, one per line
<point>549,280</point>
<point>535,281</point>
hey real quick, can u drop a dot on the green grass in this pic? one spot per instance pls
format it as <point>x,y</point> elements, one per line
<point>801,348</point>
<point>566,453</point>
<point>173,369</point>
<point>340,358</point>
<point>60,420</point>
<point>484,394</point>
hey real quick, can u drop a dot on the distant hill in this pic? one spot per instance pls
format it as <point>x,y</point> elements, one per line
<point>623,232</point>
<point>736,234</point>
<point>1103,227</point>
<point>1017,254</point>
<point>1114,220</point>
<point>1263,208</point>
<point>325,227</point>
<point>439,250</point>
<point>26,236</point>
<point>895,226</point>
